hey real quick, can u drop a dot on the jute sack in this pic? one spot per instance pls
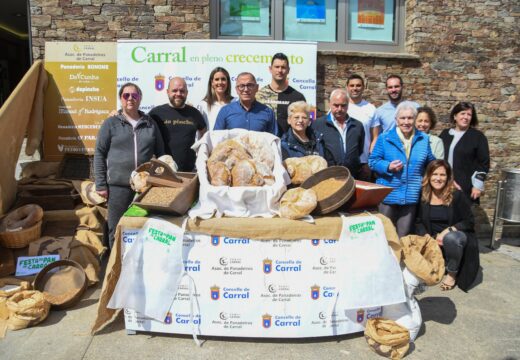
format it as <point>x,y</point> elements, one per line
<point>87,191</point>
<point>387,338</point>
<point>26,308</point>
<point>423,257</point>
<point>39,169</point>
<point>5,294</point>
<point>71,249</point>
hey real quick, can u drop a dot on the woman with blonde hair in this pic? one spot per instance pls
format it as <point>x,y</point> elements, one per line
<point>300,139</point>
<point>445,214</point>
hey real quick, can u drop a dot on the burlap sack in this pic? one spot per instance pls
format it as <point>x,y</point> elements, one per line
<point>70,249</point>
<point>387,338</point>
<point>87,191</point>
<point>39,169</point>
<point>19,285</point>
<point>423,257</point>
<point>7,262</point>
<point>89,228</point>
<point>26,308</point>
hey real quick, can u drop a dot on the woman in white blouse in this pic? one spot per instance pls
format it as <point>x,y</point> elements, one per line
<point>217,95</point>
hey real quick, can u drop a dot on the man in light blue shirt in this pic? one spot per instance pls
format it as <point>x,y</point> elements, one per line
<point>246,113</point>
<point>384,116</point>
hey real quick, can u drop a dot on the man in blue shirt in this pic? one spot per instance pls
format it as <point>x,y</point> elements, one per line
<point>384,117</point>
<point>246,113</point>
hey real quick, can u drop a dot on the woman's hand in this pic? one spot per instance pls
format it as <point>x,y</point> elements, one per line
<point>395,166</point>
<point>103,193</point>
<point>475,193</point>
<point>440,236</point>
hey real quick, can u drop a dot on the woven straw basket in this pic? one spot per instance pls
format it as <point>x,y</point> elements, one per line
<point>22,238</point>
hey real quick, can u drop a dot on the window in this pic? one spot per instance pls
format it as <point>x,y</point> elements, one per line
<point>352,25</point>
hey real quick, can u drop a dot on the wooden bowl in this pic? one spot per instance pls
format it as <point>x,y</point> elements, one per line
<point>336,198</point>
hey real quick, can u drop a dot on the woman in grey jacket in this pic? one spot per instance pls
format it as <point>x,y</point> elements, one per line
<point>124,142</point>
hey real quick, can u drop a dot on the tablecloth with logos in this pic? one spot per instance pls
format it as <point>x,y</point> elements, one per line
<point>251,278</point>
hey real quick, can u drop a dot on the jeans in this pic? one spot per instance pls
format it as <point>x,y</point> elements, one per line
<point>453,248</point>
<point>119,199</point>
<point>402,216</point>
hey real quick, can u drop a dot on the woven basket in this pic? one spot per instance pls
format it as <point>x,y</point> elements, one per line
<point>22,238</point>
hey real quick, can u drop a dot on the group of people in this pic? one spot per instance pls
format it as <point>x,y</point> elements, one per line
<point>435,179</point>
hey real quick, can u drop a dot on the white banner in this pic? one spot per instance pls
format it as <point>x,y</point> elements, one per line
<point>249,288</point>
<point>151,63</point>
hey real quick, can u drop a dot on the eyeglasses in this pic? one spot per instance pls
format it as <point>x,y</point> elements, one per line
<point>134,96</point>
<point>249,86</point>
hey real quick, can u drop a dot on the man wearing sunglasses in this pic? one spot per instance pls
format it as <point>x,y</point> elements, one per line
<point>179,124</point>
<point>246,113</point>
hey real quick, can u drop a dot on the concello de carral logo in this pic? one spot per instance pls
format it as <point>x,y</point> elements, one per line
<point>215,240</point>
<point>315,242</point>
<point>315,292</point>
<point>268,266</point>
<point>266,321</point>
<point>159,82</point>
<point>215,292</point>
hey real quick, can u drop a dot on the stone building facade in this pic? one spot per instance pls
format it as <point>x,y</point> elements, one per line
<point>455,51</point>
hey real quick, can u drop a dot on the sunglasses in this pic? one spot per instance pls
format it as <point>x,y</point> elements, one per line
<point>134,96</point>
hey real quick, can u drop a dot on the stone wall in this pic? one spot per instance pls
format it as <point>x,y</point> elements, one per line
<point>456,51</point>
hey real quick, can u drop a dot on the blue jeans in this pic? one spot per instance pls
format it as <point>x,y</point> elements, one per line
<point>453,248</point>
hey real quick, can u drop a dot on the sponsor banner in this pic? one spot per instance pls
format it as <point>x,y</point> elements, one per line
<point>249,288</point>
<point>152,63</point>
<point>80,95</point>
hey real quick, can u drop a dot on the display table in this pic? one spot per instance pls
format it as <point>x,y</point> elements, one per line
<point>246,287</point>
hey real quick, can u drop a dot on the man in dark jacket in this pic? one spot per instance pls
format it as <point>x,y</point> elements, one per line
<point>344,137</point>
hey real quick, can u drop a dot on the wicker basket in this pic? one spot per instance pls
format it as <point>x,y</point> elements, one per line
<point>22,238</point>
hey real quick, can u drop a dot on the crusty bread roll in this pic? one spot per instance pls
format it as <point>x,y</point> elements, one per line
<point>258,148</point>
<point>244,174</point>
<point>22,218</point>
<point>169,160</point>
<point>300,169</point>
<point>297,203</point>
<point>138,180</point>
<point>219,174</point>
<point>229,152</point>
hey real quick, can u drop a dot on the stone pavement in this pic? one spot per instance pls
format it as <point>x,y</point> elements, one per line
<point>481,324</point>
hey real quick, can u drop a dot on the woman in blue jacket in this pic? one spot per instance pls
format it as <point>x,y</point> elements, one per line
<point>399,159</point>
<point>300,140</point>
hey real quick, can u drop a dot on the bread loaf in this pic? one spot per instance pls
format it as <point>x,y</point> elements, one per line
<point>243,174</point>
<point>219,174</point>
<point>22,218</point>
<point>297,203</point>
<point>300,169</point>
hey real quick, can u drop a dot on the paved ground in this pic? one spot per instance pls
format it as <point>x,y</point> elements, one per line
<point>481,324</point>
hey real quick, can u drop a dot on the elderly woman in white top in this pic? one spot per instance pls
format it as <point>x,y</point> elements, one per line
<point>425,121</point>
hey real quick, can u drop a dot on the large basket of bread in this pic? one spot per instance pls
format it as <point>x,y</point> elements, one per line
<point>240,173</point>
<point>21,226</point>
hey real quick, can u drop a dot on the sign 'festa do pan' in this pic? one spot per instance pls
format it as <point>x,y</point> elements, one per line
<point>150,64</point>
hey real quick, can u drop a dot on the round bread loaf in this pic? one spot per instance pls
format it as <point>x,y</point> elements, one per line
<point>297,203</point>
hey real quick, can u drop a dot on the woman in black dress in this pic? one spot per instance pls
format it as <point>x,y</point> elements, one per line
<point>445,214</point>
<point>466,150</point>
